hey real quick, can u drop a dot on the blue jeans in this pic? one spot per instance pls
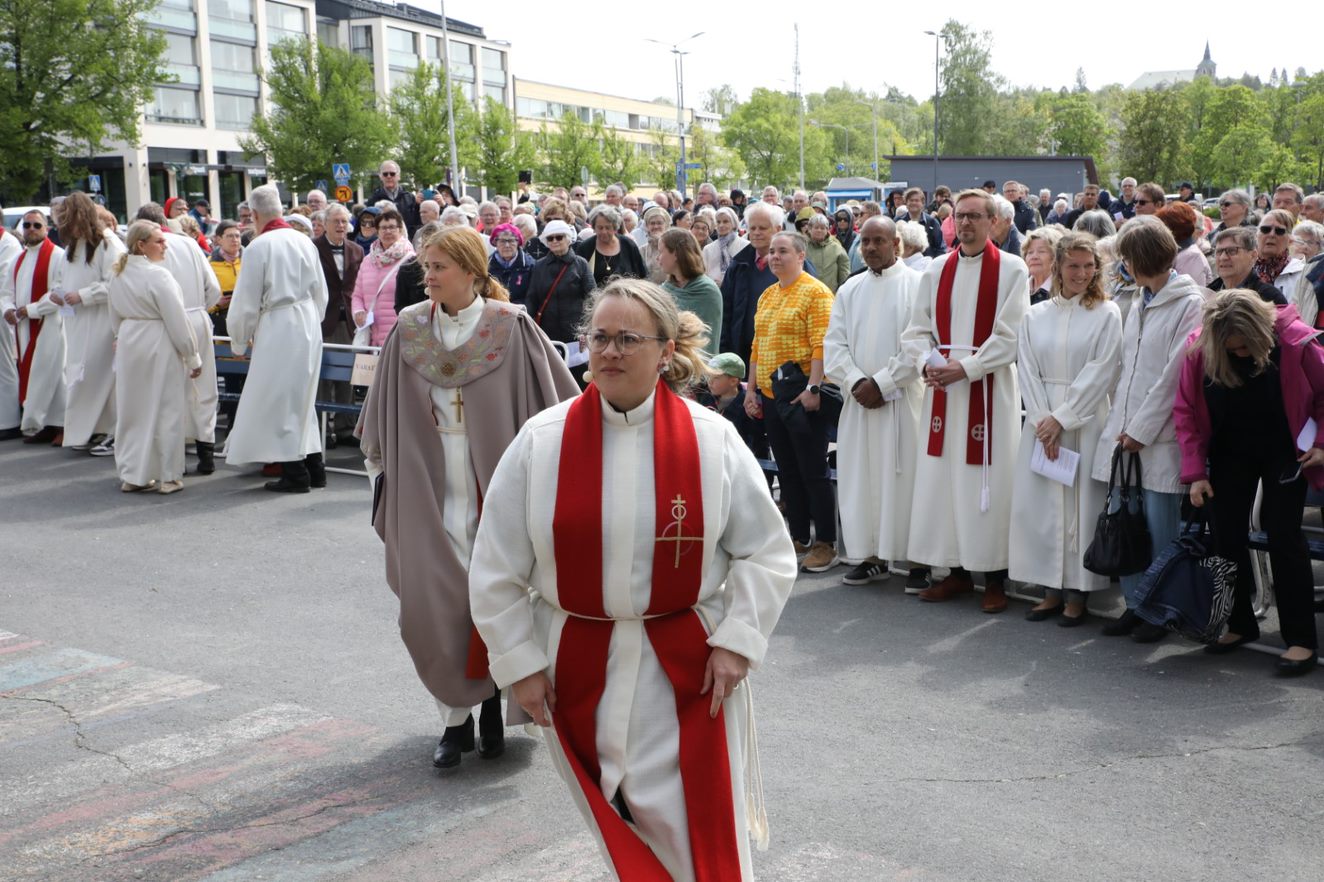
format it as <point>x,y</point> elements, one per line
<point>1163,515</point>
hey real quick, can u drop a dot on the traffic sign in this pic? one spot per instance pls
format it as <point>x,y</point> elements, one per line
<point>344,194</point>
<point>340,171</point>
<point>94,183</point>
<point>321,185</point>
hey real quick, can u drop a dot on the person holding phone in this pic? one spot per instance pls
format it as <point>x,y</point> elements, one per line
<point>1250,411</point>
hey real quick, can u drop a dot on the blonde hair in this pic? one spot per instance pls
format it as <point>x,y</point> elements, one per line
<point>464,245</point>
<point>1066,245</point>
<point>1235,313</point>
<point>139,232</point>
<point>684,328</point>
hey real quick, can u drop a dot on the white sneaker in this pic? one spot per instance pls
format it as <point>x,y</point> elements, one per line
<point>105,448</point>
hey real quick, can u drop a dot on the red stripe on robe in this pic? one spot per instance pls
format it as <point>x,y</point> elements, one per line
<point>40,277</point>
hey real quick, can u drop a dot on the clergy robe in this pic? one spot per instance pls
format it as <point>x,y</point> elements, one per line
<point>155,350</point>
<point>45,400</point>
<point>948,527</point>
<point>748,570</point>
<point>10,412</point>
<point>89,380</point>
<point>875,448</point>
<point>277,306</point>
<point>1069,362</point>
<point>200,291</point>
<point>437,419</point>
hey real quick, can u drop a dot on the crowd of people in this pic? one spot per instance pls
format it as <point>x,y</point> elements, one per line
<point>579,412</point>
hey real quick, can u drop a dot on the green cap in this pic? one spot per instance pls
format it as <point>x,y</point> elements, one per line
<point>727,363</point>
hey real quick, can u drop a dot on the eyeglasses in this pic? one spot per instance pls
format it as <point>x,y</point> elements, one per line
<point>970,216</point>
<point>1228,251</point>
<point>1313,243</point>
<point>627,342</point>
<point>390,174</point>
<point>1271,230</point>
<point>1227,204</point>
<point>557,237</point>
<point>1144,202</point>
<point>506,240</point>
<point>384,227</point>
<point>33,225</point>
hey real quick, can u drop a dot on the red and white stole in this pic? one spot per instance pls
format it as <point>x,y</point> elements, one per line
<point>980,439</point>
<point>39,281</point>
<point>674,629</point>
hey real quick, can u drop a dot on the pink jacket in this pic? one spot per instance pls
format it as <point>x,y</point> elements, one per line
<point>1301,369</point>
<point>366,297</point>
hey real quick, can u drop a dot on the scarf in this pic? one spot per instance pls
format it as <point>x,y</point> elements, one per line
<point>672,627</point>
<point>502,262</point>
<point>387,256</point>
<point>846,239</point>
<point>723,243</point>
<point>1270,268</point>
<point>278,224</point>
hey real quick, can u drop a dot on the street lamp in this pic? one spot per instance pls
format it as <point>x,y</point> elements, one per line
<point>937,37</point>
<point>873,106</point>
<point>682,173</point>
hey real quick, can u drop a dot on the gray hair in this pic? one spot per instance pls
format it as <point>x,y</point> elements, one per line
<point>614,188</point>
<point>241,206</point>
<point>1310,228</point>
<point>309,197</point>
<point>526,225</point>
<point>424,231</point>
<point>1096,223</point>
<point>454,216</point>
<point>729,212</point>
<point>1061,206</point>
<point>819,220</point>
<point>488,204</point>
<point>1003,206</point>
<point>1241,197</point>
<point>1129,180</point>
<point>1294,188</point>
<point>319,217</point>
<point>265,201</point>
<point>1314,199</point>
<point>913,234</point>
<point>335,209</point>
<point>797,239</point>
<point>628,216</point>
<point>1243,237</point>
<point>150,211</point>
<point>610,212</point>
<point>774,213</point>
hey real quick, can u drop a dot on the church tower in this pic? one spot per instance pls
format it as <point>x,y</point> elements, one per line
<point>1207,68</point>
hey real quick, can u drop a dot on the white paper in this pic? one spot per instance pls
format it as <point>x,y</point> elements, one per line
<point>575,355</point>
<point>1306,439</point>
<point>934,359</point>
<point>1063,470</point>
<point>367,321</point>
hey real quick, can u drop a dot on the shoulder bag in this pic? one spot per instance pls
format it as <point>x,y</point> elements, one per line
<point>1190,588</point>
<point>1122,545</point>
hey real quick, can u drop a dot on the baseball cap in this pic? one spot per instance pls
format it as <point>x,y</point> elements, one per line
<point>727,363</point>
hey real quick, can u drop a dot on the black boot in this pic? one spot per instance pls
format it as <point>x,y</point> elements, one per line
<point>491,729</point>
<point>206,458</point>
<point>316,469</point>
<point>294,478</point>
<point>454,741</point>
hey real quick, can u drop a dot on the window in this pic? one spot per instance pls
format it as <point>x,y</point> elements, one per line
<point>175,106</point>
<point>616,119</point>
<point>402,48</point>
<point>532,108</point>
<point>232,18</point>
<point>434,50</point>
<point>234,111</point>
<point>496,93</point>
<point>462,62</point>
<point>494,67</point>
<point>233,67</point>
<point>360,40</point>
<point>176,14</point>
<point>328,32</point>
<point>179,50</point>
<point>284,22</point>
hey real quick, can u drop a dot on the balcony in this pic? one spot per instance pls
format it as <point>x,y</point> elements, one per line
<point>239,81</point>
<point>406,60</point>
<point>232,29</point>
<point>170,17</point>
<point>185,74</point>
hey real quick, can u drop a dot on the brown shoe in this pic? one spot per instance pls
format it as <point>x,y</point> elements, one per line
<point>821,558</point>
<point>949,588</point>
<point>800,549</point>
<point>995,597</point>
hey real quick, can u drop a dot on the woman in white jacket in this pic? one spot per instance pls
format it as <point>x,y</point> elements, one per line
<point>1165,312</point>
<point>718,253</point>
<point>154,352</point>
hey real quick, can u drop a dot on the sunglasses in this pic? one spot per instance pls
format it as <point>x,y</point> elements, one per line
<point>1270,230</point>
<point>1144,202</point>
<point>390,174</point>
<point>1228,251</point>
<point>33,225</point>
<point>1227,204</point>
<point>557,238</point>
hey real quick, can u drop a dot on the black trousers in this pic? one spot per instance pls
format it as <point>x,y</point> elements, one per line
<point>1234,479</point>
<point>802,472</point>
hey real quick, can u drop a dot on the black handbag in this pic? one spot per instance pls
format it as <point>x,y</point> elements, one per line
<point>1122,545</point>
<point>1190,588</point>
<point>787,384</point>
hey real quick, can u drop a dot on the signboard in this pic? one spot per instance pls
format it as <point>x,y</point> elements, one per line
<point>365,368</point>
<point>322,185</point>
<point>344,194</point>
<point>340,171</point>
<point>94,183</point>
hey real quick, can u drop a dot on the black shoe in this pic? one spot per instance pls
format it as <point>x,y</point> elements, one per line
<point>285,485</point>
<point>491,729</point>
<point>917,581</point>
<point>1147,633</point>
<point>1123,626</point>
<point>294,478</point>
<point>869,571</point>
<point>316,470</point>
<point>10,434</point>
<point>1039,615</point>
<point>1073,621</point>
<point>1225,648</point>
<point>206,458</point>
<point>1288,668</point>
<point>455,740</point>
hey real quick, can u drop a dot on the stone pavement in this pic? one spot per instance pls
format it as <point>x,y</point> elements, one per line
<point>209,686</point>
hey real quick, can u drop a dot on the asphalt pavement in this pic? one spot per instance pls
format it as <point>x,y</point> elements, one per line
<point>211,686</point>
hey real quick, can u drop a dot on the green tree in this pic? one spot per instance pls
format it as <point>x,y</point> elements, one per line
<point>1152,139</point>
<point>1075,126</point>
<point>322,110</point>
<point>1308,139</point>
<point>721,100</point>
<point>620,160</point>
<point>418,110</point>
<point>968,108</point>
<point>659,164</point>
<point>1238,155</point>
<point>74,75</point>
<point>501,151</point>
<point>719,165</point>
<point>567,150</point>
<point>764,133</point>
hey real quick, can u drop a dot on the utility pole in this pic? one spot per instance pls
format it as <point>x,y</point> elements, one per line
<point>937,37</point>
<point>800,104</point>
<point>456,183</point>
<point>682,173</point>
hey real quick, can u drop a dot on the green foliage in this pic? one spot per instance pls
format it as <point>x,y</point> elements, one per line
<point>322,110</point>
<point>719,165</point>
<point>421,119</point>
<point>1308,139</point>
<point>620,162</point>
<point>563,152</point>
<point>764,134</point>
<point>1152,139</point>
<point>1238,154</point>
<point>659,164</point>
<point>1075,125</point>
<point>968,109</point>
<point>501,149</point>
<point>74,75</point>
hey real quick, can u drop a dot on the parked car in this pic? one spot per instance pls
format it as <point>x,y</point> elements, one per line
<point>14,214</point>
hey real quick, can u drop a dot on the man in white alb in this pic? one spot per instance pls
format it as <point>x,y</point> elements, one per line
<point>37,326</point>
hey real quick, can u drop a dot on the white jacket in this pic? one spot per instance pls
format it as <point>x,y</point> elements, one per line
<point>712,256</point>
<point>1153,344</point>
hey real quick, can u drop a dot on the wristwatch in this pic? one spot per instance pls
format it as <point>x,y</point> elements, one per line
<point>813,388</point>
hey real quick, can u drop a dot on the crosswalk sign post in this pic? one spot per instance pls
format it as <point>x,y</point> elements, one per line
<point>340,171</point>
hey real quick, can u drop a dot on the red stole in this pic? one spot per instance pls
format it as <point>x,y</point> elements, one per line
<point>986,310</point>
<point>278,224</point>
<point>676,634</point>
<point>39,281</point>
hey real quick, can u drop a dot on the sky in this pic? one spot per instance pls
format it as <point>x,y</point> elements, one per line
<point>601,44</point>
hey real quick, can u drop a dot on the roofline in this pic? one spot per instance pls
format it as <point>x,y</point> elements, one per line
<point>349,10</point>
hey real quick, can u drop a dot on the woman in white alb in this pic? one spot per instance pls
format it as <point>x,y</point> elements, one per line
<point>1069,350</point>
<point>155,354</point>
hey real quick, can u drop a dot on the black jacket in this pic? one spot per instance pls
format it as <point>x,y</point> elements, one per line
<point>1266,291</point>
<point>515,278</point>
<point>1026,217</point>
<point>742,285</point>
<point>405,203</point>
<point>409,287</point>
<point>561,314</point>
<point>933,226</point>
<point>630,260</point>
